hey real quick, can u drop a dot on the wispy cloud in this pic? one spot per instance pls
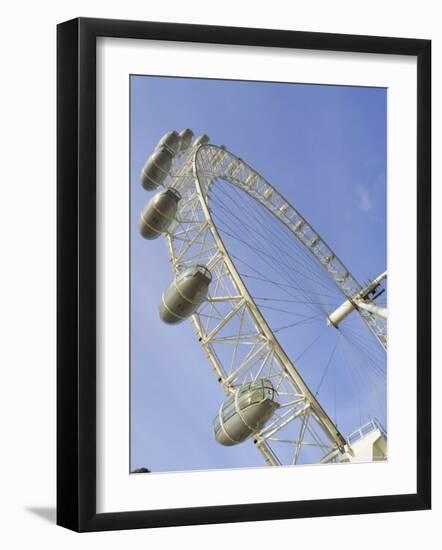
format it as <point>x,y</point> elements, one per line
<point>365,202</point>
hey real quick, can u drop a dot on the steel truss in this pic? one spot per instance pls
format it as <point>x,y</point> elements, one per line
<point>238,342</point>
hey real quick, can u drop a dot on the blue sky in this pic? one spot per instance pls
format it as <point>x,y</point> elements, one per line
<point>324,149</point>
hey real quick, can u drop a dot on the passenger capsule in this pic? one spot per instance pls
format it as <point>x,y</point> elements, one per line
<point>284,208</point>
<point>234,167</point>
<point>268,193</point>
<point>251,180</point>
<point>159,213</point>
<point>218,155</point>
<point>185,294</point>
<point>186,137</point>
<point>298,225</point>
<point>202,140</point>
<point>156,169</point>
<point>171,141</point>
<point>313,241</point>
<point>245,412</point>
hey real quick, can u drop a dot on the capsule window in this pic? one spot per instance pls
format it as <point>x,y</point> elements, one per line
<point>245,388</point>
<point>252,398</point>
<point>206,272</point>
<point>216,423</point>
<point>255,392</point>
<point>193,272</point>
<point>189,272</point>
<point>256,396</point>
<point>174,193</point>
<point>228,410</point>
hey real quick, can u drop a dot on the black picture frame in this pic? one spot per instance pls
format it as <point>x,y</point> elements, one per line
<point>76,273</point>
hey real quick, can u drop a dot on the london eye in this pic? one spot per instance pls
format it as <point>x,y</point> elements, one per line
<point>290,334</point>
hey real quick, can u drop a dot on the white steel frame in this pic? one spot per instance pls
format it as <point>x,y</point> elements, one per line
<point>230,316</point>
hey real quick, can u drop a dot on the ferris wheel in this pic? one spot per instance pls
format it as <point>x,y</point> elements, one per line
<point>286,328</point>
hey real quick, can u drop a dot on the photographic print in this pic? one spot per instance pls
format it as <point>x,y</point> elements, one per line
<point>222,292</point>
<point>258,274</point>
